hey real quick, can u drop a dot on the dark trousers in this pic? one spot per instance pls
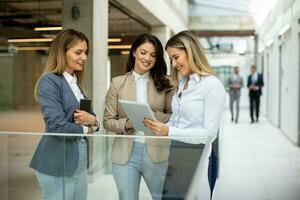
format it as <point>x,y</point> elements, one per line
<point>183,162</point>
<point>254,103</point>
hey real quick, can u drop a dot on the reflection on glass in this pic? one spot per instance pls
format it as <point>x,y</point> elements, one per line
<point>19,181</point>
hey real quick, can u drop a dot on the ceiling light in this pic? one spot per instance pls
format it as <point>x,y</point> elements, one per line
<point>57,28</point>
<point>284,29</point>
<point>119,46</point>
<point>269,42</point>
<point>260,49</point>
<point>114,40</point>
<point>124,52</point>
<point>32,48</point>
<point>30,40</point>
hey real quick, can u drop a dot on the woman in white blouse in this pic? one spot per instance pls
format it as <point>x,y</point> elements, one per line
<point>197,110</point>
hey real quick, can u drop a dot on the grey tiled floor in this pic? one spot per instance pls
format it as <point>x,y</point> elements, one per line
<point>257,162</point>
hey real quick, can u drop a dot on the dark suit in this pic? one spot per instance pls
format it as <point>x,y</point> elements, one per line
<point>255,95</point>
<point>57,155</point>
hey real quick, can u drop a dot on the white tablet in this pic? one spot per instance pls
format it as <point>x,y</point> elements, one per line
<point>136,112</point>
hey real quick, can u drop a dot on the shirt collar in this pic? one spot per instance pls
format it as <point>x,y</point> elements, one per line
<point>192,77</point>
<point>70,79</point>
<point>195,77</point>
<point>138,76</point>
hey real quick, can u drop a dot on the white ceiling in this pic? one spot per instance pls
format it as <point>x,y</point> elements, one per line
<point>257,9</point>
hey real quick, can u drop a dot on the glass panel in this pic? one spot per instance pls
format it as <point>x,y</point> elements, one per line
<point>168,167</point>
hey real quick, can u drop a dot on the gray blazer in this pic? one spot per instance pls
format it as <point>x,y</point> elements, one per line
<point>57,155</point>
<point>239,81</point>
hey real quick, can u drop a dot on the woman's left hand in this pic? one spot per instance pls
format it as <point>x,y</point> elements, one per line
<point>84,118</point>
<point>157,127</point>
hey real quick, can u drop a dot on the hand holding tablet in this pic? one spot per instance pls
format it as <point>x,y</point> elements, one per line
<point>136,112</point>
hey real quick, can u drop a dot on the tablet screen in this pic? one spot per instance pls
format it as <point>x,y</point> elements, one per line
<point>136,112</point>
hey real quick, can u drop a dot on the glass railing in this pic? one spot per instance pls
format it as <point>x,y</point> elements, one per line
<point>169,168</point>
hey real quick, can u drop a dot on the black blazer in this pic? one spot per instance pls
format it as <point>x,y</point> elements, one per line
<point>259,82</point>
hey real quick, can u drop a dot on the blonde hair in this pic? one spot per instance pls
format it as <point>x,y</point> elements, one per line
<point>57,62</point>
<point>197,60</point>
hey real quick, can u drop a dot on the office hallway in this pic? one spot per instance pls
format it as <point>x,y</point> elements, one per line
<point>257,163</point>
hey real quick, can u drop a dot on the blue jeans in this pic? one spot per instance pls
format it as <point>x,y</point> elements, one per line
<point>128,176</point>
<point>67,187</point>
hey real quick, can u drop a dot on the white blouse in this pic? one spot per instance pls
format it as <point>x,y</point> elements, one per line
<point>141,95</point>
<point>197,114</point>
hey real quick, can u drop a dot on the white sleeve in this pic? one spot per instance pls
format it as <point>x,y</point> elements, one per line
<point>171,121</point>
<point>85,129</point>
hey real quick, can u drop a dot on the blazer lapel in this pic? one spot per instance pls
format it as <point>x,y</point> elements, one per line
<point>130,87</point>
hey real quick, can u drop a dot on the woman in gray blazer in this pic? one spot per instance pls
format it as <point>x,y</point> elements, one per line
<point>145,81</point>
<point>61,161</point>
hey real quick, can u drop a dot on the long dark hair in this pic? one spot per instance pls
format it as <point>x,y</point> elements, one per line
<point>159,71</point>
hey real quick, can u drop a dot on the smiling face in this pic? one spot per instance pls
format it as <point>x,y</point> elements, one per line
<point>145,58</point>
<point>76,57</point>
<point>179,60</point>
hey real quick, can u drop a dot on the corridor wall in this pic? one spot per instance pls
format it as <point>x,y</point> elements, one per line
<point>281,67</point>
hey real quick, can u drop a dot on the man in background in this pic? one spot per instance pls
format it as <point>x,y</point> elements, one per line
<point>235,83</point>
<point>255,83</point>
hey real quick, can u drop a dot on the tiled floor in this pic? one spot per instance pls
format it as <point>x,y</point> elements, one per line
<point>257,162</point>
